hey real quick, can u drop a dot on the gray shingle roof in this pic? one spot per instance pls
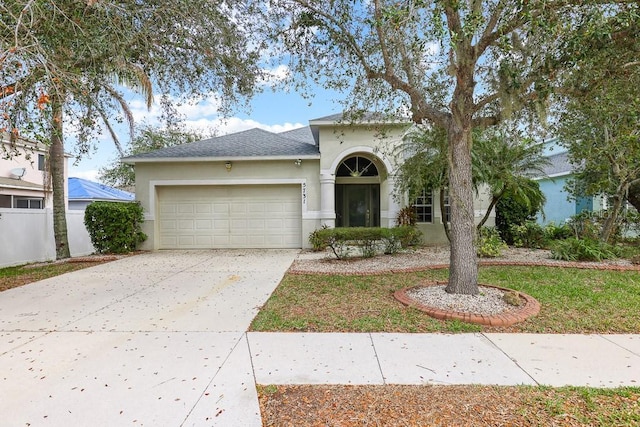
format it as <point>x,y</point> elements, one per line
<point>304,134</point>
<point>250,143</point>
<point>367,116</point>
<point>559,164</point>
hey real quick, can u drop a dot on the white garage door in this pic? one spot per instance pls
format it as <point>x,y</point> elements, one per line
<point>232,216</point>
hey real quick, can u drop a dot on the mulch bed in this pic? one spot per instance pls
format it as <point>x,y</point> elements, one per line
<point>431,405</point>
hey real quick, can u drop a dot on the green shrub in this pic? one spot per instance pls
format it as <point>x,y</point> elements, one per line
<point>316,241</point>
<point>408,236</point>
<point>114,227</point>
<point>343,240</point>
<point>557,232</point>
<point>528,235</point>
<point>489,244</point>
<point>512,210</point>
<point>573,249</point>
<point>586,225</point>
<point>407,217</point>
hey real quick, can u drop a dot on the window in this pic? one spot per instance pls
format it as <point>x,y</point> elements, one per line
<point>28,203</point>
<point>41,162</point>
<point>356,167</point>
<point>423,205</point>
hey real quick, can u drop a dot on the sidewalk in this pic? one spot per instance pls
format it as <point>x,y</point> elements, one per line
<point>501,359</point>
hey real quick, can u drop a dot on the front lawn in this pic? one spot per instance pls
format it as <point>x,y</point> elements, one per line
<point>573,301</point>
<point>11,277</point>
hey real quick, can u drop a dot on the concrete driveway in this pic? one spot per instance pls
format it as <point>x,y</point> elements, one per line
<point>154,339</point>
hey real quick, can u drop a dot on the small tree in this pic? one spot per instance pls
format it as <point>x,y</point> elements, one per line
<point>147,138</point>
<point>599,122</point>
<point>507,165</point>
<point>503,163</point>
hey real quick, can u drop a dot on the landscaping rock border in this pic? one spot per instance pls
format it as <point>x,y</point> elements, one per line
<point>529,308</point>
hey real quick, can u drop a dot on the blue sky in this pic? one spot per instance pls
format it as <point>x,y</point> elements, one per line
<point>273,111</point>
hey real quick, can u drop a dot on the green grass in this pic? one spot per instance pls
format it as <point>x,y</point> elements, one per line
<point>573,301</point>
<point>11,277</point>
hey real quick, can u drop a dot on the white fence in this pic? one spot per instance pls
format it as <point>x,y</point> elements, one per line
<point>26,235</point>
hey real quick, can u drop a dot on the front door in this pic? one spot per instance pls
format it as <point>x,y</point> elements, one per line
<point>358,205</point>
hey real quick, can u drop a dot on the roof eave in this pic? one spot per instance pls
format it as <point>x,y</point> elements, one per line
<point>553,175</point>
<point>359,122</point>
<point>134,160</point>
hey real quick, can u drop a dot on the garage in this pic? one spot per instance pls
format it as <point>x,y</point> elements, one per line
<point>229,216</point>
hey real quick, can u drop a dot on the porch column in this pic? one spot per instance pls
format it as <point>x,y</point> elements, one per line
<point>394,206</point>
<point>328,199</point>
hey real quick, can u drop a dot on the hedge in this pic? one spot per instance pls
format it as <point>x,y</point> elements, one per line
<point>114,227</point>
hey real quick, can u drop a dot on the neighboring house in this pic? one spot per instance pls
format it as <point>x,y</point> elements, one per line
<point>22,175</point>
<point>26,207</point>
<point>258,189</point>
<point>82,192</point>
<point>560,205</point>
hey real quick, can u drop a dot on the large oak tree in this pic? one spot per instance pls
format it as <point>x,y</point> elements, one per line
<point>455,64</point>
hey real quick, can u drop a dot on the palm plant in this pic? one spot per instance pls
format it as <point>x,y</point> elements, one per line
<point>507,166</point>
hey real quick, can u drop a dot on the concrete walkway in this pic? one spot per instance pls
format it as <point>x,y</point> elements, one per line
<point>159,339</point>
<point>502,359</point>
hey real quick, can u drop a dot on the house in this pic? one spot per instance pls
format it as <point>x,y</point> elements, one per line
<point>23,175</point>
<point>26,207</point>
<point>82,192</point>
<point>560,205</point>
<point>258,189</point>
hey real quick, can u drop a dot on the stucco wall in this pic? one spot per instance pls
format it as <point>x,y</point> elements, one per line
<point>342,141</point>
<point>433,233</point>
<point>558,208</point>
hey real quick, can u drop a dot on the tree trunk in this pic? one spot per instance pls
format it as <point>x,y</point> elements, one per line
<point>463,278</point>
<point>633,196</point>
<point>494,200</point>
<point>57,162</point>
<point>443,216</point>
<point>610,223</point>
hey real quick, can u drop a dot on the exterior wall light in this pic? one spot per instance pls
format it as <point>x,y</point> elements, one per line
<point>297,162</point>
<point>227,165</point>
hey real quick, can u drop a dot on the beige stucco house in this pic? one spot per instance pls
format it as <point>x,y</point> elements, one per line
<point>258,189</point>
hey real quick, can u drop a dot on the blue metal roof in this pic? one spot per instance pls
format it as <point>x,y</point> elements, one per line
<point>82,189</point>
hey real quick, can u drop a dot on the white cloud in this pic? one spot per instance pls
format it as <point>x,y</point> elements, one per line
<point>275,75</point>
<point>91,175</point>
<point>224,126</point>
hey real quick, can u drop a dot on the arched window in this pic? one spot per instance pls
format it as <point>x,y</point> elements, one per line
<point>357,166</point>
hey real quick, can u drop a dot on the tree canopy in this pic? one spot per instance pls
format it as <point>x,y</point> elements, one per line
<point>62,61</point>
<point>457,65</point>
<point>599,120</point>
<point>147,138</point>
<point>87,49</point>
